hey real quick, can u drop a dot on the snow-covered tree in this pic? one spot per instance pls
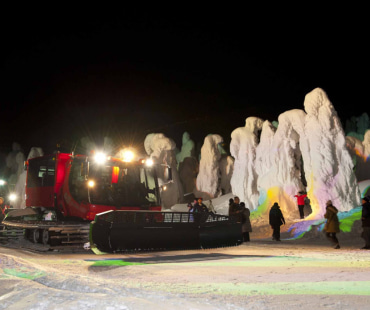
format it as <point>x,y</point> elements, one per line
<point>244,141</point>
<point>208,179</point>
<point>162,150</point>
<point>327,163</point>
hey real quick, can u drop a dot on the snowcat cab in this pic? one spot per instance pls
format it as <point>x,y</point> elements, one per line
<point>82,186</point>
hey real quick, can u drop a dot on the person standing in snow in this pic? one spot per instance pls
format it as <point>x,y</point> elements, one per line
<point>231,201</point>
<point>200,210</point>
<point>199,206</point>
<point>332,224</point>
<point>365,218</point>
<point>235,210</point>
<point>300,200</point>
<point>276,219</point>
<point>190,210</point>
<point>246,222</point>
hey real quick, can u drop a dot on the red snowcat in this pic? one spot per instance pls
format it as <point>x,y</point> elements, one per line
<point>113,203</point>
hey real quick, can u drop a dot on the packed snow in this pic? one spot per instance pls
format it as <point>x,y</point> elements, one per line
<point>303,271</point>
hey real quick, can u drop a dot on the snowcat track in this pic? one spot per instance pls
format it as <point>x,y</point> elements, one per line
<point>127,231</point>
<point>42,236</point>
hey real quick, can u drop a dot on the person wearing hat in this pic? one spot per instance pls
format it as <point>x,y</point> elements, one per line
<point>365,218</point>
<point>332,224</point>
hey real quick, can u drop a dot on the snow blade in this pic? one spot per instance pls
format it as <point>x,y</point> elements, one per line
<point>117,231</point>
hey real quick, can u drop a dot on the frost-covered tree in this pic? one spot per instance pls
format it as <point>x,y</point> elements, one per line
<point>278,160</point>
<point>360,152</point>
<point>226,165</point>
<point>327,163</point>
<point>187,148</point>
<point>208,179</point>
<point>162,150</point>
<point>244,141</point>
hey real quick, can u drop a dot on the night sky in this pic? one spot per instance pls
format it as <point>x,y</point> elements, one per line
<point>124,75</point>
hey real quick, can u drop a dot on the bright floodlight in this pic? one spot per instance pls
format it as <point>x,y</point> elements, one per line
<point>149,162</point>
<point>91,183</point>
<point>12,197</point>
<point>2,182</point>
<point>100,158</point>
<point>128,155</point>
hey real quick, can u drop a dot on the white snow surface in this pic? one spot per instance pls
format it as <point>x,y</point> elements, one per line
<point>305,273</point>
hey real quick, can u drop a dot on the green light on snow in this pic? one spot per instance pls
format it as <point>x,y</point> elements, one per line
<point>24,274</point>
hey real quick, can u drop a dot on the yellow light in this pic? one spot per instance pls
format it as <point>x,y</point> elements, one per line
<point>149,162</point>
<point>90,183</point>
<point>128,155</point>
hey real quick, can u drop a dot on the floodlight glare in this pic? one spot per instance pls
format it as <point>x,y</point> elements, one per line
<point>100,158</point>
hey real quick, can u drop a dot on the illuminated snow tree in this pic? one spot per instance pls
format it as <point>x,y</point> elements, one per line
<point>327,163</point>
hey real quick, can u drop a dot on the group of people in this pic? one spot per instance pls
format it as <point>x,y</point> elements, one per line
<point>241,213</point>
<point>198,209</point>
<point>331,227</point>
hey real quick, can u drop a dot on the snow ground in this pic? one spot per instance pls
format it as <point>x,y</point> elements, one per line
<point>306,273</point>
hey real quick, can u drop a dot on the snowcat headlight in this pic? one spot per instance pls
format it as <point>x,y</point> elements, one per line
<point>12,197</point>
<point>149,162</point>
<point>90,183</point>
<point>100,158</point>
<point>128,156</point>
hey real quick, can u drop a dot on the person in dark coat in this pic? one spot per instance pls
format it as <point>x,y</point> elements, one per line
<point>231,201</point>
<point>246,222</point>
<point>276,219</point>
<point>200,210</point>
<point>199,206</point>
<point>365,218</point>
<point>332,224</point>
<point>300,200</point>
<point>235,210</point>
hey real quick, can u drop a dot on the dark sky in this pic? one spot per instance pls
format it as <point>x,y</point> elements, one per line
<point>67,75</point>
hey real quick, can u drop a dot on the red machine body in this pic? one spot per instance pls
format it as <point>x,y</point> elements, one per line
<point>76,186</point>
